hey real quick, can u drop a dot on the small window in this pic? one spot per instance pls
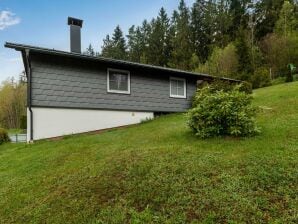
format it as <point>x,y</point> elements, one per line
<point>177,87</point>
<point>118,81</point>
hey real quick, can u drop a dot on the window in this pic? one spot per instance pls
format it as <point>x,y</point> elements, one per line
<point>177,87</point>
<point>118,81</point>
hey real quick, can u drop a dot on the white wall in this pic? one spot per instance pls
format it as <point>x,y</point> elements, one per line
<point>53,122</point>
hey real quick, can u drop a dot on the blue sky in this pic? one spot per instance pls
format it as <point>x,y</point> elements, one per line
<point>44,23</point>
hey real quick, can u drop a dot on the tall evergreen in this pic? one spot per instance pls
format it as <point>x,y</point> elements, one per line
<point>115,47</point>
<point>158,42</point>
<point>199,30</point>
<point>119,44</point>
<point>106,49</point>
<point>245,68</point>
<point>267,13</point>
<point>238,11</point>
<point>181,41</point>
<point>89,51</point>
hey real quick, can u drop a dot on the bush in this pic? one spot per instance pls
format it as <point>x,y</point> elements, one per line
<point>245,87</point>
<point>220,113</point>
<point>3,136</point>
<point>261,78</point>
<point>218,84</point>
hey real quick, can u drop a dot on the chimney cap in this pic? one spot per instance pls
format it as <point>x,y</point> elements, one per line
<point>74,21</point>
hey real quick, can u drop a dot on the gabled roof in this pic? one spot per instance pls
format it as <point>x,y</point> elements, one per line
<point>23,47</point>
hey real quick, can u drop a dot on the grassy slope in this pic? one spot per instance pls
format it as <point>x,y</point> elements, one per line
<point>159,172</point>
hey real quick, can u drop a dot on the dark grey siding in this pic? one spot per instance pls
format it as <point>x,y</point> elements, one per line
<point>72,83</point>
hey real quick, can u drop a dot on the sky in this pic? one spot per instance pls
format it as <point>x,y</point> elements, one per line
<point>43,23</point>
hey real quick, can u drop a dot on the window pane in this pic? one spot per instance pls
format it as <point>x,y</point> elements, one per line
<point>180,84</point>
<point>118,81</point>
<point>180,92</point>
<point>173,87</point>
<point>177,87</point>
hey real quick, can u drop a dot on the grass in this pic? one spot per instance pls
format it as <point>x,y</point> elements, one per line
<point>159,172</point>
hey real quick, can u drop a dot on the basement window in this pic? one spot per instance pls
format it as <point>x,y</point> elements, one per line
<point>177,87</point>
<point>118,81</point>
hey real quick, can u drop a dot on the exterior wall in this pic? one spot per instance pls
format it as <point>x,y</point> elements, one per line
<point>53,122</point>
<point>72,83</point>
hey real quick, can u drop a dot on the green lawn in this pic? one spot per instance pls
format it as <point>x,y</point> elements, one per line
<point>159,172</point>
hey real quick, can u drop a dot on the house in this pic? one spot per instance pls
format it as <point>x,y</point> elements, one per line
<point>69,92</point>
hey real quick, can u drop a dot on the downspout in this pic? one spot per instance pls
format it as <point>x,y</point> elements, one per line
<point>29,92</point>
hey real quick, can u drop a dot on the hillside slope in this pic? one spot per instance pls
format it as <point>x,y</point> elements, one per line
<point>159,172</point>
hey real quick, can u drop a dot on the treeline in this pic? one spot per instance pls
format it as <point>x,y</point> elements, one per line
<point>254,41</point>
<point>13,104</point>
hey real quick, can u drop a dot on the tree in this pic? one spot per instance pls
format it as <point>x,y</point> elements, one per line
<point>286,23</point>
<point>181,41</point>
<point>245,68</point>
<point>12,103</point>
<point>135,44</point>
<point>107,48</point>
<point>223,21</point>
<point>238,11</point>
<point>222,62</point>
<point>89,51</point>
<point>200,30</point>
<point>267,13</point>
<point>275,51</point>
<point>159,40</point>
<point>115,47</point>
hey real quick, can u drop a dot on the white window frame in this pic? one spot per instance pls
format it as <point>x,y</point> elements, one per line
<point>108,81</point>
<point>184,82</point>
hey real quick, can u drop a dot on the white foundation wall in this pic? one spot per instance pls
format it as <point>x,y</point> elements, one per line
<point>54,122</point>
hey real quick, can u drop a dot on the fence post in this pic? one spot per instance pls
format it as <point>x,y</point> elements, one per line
<point>16,138</point>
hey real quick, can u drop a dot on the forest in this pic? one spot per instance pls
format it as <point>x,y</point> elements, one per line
<point>254,41</point>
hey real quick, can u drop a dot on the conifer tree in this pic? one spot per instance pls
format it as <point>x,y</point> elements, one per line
<point>181,42</point>
<point>115,47</point>
<point>158,42</point>
<point>89,51</point>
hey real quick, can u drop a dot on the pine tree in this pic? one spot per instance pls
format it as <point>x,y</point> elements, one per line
<point>89,51</point>
<point>239,16</point>
<point>245,67</point>
<point>119,44</point>
<point>199,37</point>
<point>267,13</point>
<point>145,31</point>
<point>135,44</point>
<point>115,47</point>
<point>158,42</point>
<point>223,21</point>
<point>107,47</point>
<point>181,42</point>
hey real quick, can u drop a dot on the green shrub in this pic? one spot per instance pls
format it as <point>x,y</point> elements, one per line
<point>218,84</point>
<point>3,136</point>
<point>222,113</point>
<point>278,80</point>
<point>261,78</point>
<point>245,87</point>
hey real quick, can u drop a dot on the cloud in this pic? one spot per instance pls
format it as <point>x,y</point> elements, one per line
<point>7,19</point>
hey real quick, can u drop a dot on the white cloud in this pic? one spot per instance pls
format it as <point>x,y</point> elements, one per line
<point>7,19</point>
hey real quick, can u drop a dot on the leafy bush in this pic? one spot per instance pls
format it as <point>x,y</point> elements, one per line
<point>245,87</point>
<point>221,113</point>
<point>219,84</point>
<point>3,136</point>
<point>261,78</point>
